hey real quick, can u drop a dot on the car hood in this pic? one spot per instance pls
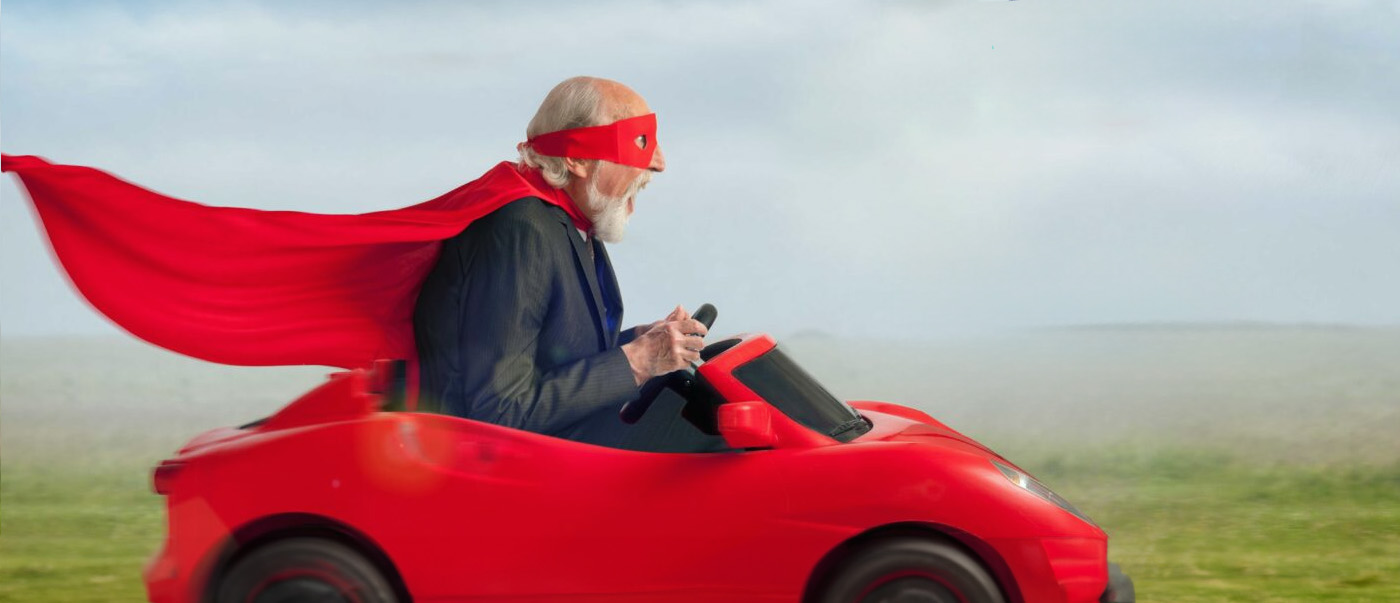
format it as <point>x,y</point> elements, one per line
<point>895,423</point>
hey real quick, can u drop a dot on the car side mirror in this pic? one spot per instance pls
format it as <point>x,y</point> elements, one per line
<point>747,425</point>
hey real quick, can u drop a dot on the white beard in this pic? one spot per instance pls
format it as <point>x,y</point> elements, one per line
<point>609,214</point>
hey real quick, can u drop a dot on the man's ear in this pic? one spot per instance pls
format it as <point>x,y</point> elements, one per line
<point>580,168</point>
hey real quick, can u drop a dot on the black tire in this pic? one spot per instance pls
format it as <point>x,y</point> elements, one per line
<point>304,570</point>
<point>910,570</point>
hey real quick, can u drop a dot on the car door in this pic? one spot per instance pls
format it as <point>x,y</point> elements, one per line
<point>501,513</point>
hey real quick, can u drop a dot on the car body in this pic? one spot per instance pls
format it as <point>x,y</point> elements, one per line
<point>450,509</point>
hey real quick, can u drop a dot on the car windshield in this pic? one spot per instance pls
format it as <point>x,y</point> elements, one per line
<point>782,383</point>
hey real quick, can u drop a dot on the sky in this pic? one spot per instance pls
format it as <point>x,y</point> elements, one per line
<point>893,169</point>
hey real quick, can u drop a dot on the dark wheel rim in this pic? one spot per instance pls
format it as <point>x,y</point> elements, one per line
<point>910,587</point>
<point>303,587</point>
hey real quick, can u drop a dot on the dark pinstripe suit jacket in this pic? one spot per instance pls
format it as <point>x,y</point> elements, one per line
<point>517,324</point>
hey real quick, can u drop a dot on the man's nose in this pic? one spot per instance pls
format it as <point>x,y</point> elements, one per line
<point>658,161</point>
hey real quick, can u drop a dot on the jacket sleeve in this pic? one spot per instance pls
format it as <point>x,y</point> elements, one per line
<point>512,275</point>
<point>628,336</point>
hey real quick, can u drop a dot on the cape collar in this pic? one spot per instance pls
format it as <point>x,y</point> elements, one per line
<point>556,196</point>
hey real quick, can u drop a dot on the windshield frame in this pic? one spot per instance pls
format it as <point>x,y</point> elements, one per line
<point>781,382</point>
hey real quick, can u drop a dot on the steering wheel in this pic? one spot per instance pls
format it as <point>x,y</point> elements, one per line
<point>678,380</point>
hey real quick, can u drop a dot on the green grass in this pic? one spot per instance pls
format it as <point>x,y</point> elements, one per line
<point>72,535</point>
<point>1198,527</point>
<point>1187,526</point>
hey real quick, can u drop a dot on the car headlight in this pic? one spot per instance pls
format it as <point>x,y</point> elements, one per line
<point>1030,484</point>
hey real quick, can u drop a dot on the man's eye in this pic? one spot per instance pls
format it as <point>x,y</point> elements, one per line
<point>642,141</point>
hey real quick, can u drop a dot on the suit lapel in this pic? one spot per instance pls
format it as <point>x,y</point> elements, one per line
<point>584,261</point>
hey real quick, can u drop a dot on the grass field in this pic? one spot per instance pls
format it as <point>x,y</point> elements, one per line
<point>1226,464</point>
<point>1192,527</point>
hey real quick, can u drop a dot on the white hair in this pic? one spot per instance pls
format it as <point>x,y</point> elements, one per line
<point>574,103</point>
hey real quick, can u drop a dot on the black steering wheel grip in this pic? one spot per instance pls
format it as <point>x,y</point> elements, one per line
<point>633,410</point>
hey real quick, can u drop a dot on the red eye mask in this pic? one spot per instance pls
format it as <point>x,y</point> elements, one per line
<point>630,141</point>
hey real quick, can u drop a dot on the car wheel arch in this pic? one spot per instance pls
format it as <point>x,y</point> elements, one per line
<point>267,530</point>
<point>973,546</point>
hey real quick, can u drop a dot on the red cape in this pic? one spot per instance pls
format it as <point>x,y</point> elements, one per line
<point>249,287</point>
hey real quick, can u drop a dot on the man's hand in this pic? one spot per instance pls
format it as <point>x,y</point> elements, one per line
<point>678,314</point>
<point>667,345</point>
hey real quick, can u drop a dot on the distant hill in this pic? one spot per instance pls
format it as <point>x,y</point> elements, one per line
<point>1217,326</point>
<point>1276,393</point>
<point>1257,392</point>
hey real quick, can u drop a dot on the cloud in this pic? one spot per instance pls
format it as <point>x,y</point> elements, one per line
<point>862,167</point>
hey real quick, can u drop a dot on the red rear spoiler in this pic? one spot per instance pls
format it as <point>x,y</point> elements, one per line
<point>347,394</point>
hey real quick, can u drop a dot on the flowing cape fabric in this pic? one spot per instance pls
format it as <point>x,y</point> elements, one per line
<point>250,287</point>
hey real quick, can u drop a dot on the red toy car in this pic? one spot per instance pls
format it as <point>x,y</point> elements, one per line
<point>339,497</point>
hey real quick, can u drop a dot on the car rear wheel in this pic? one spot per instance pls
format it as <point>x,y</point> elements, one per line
<point>304,570</point>
<point>911,570</point>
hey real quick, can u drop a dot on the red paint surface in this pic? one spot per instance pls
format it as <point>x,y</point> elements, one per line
<point>468,511</point>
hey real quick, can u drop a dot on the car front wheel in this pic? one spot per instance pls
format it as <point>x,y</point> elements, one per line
<point>911,570</point>
<point>304,570</point>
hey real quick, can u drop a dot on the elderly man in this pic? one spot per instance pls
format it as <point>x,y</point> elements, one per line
<point>517,323</point>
